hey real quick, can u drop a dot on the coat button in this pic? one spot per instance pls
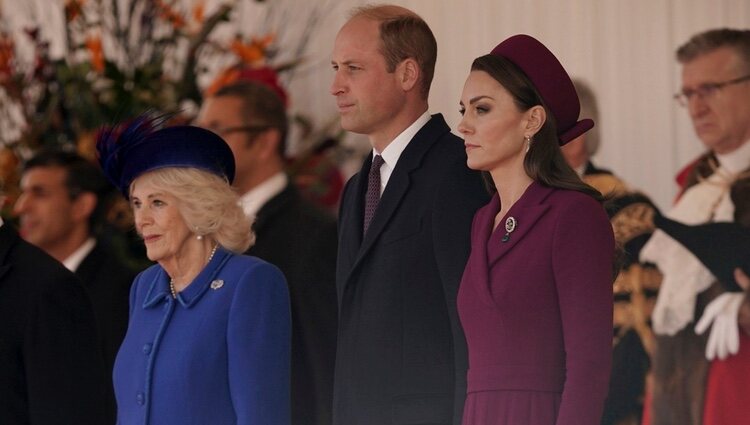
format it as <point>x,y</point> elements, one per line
<point>147,349</point>
<point>139,399</point>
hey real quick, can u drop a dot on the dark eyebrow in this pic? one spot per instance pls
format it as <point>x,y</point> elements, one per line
<point>475,99</point>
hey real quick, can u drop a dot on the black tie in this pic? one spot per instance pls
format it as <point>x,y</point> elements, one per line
<point>373,191</point>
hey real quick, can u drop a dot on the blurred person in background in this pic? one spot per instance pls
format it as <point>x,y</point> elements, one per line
<point>61,210</point>
<point>51,368</point>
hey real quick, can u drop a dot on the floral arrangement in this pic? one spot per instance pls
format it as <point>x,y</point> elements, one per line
<point>124,57</point>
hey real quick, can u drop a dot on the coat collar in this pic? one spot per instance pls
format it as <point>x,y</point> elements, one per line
<point>398,186</point>
<point>487,245</point>
<point>159,289</point>
<point>275,204</point>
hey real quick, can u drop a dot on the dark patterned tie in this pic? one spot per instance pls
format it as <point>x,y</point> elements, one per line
<point>373,191</point>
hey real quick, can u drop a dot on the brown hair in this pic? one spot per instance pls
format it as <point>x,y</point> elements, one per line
<point>260,106</point>
<point>544,162</point>
<point>708,41</point>
<point>403,35</point>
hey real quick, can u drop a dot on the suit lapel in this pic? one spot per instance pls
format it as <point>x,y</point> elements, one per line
<point>527,211</point>
<point>396,189</point>
<point>351,218</point>
<point>88,268</point>
<point>477,266</point>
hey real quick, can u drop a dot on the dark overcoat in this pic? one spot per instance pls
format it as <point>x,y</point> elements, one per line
<point>401,355</point>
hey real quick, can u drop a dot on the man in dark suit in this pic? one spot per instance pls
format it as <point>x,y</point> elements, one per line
<point>290,232</point>
<point>404,230</point>
<point>61,209</point>
<point>51,371</point>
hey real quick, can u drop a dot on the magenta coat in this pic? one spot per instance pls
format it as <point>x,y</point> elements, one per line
<point>537,311</point>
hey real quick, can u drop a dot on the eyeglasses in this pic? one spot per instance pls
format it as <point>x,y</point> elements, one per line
<point>706,91</point>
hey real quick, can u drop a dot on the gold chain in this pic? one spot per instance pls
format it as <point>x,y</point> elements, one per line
<point>171,281</point>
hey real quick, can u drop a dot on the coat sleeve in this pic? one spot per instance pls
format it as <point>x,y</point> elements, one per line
<point>583,254</point>
<point>63,366</point>
<point>258,341</point>
<point>461,193</point>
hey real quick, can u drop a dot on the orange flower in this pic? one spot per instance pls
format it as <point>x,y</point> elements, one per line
<point>169,14</point>
<point>199,10</point>
<point>73,9</point>
<point>252,53</point>
<point>94,44</point>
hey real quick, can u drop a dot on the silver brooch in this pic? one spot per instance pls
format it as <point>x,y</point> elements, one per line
<point>510,226</point>
<point>216,284</point>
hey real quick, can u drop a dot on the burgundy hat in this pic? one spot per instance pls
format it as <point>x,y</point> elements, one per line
<point>550,80</point>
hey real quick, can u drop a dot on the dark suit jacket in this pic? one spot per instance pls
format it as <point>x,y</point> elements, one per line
<point>300,239</point>
<point>107,281</point>
<point>401,355</point>
<point>50,366</point>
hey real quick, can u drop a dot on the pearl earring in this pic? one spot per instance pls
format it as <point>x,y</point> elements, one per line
<point>527,139</point>
<point>199,237</point>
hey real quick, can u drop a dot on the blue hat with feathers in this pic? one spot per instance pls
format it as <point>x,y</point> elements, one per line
<point>129,150</point>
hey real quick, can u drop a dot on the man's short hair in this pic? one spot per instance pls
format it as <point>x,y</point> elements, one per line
<point>708,41</point>
<point>403,35</point>
<point>261,106</point>
<point>81,176</point>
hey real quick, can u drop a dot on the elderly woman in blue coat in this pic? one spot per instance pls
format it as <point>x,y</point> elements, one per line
<point>208,338</point>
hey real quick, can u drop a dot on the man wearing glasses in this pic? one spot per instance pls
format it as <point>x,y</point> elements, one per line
<point>290,233</point>
<point>701,364</point>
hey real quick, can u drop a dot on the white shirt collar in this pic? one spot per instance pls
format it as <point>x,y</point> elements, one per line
<point>736,161</point>
<point>393,151</point>
<point>76,258</point>
<point>254,199</point>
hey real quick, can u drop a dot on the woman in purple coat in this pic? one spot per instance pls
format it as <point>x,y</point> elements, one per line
<point>536,296</point>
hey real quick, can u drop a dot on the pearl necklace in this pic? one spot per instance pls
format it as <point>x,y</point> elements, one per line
<point>171,281</point>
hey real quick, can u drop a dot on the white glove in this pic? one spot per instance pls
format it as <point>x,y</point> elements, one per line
<point>725,336</point>
<point>684,278</point>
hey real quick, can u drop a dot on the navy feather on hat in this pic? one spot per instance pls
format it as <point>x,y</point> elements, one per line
<point>125,152</point>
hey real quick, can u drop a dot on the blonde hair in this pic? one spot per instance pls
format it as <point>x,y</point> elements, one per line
<point>208,205</point>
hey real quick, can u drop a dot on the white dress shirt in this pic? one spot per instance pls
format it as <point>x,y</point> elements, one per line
<point>254,199</point>
<point>76,258</point>
<point>393,151</point>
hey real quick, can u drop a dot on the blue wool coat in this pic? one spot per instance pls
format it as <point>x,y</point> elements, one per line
<point>218,354</point>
